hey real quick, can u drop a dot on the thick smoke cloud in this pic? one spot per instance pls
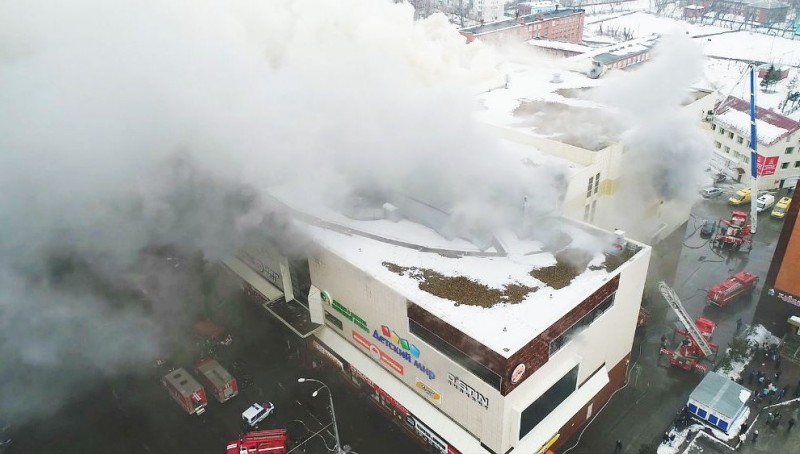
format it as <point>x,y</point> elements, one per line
<point>130,124</point>
<point>665,153</point>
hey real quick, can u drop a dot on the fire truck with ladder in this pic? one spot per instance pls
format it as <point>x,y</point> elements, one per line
<point>260,442</point>
<point>696,344</point>
<point>734,232</point>
<point>739,284</point>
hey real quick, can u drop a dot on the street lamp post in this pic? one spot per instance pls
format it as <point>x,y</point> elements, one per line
<point>339,449</point>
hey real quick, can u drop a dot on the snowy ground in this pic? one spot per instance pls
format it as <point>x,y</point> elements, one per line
<point>756,335</point>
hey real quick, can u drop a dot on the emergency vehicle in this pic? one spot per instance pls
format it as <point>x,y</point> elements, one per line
<point>260,442</point>
<point>186,391</point>
<point>222,384</point>
<point>740,284</point>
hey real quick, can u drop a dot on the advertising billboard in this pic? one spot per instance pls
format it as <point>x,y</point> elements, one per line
<point>766,165</point>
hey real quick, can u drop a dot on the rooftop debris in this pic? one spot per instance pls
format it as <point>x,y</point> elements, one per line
<point>460,289</point>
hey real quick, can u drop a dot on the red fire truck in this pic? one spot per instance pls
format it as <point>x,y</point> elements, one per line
<point>741,283</point>
<point>696,344</point>
<point>260,442</point>
<point>734,232</point>
<point>223,385</point>
<point>186,391</point>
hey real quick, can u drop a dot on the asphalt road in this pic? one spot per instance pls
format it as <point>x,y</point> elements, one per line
<point>134,413</point>
<point>642,411</point>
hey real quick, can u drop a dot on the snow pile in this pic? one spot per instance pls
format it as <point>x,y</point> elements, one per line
<point>680,437</point>
<point>757,335</point>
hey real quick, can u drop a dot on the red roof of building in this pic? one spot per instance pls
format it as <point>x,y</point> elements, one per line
<point>765,115</point>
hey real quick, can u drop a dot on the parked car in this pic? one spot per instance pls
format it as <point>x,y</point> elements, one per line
<point>707,229</point>
<point>257,413</point>
<point>711,192</point>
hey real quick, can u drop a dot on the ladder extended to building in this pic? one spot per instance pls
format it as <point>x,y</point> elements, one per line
<point>675,303</point>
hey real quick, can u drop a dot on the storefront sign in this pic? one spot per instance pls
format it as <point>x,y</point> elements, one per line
<point>327,354</point>
<point>402,348</point>
<point>429,392</point>
<point>337,306</point>
<point>384,395</point>
<point>786,298</point>
<point>517,373</point>
<point>428,435</point>
<point>378,354</point>
<point>391,400</point>
<point>467,390</point>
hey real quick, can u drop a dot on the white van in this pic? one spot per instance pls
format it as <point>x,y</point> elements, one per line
<point>765,202</point>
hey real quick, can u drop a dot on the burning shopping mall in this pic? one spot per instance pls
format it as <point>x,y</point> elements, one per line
<point>506,346</point>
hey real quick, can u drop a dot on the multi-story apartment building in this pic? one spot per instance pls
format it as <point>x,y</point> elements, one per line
<point>777,139</point>
<point>471,349</point>
<point>560,24</point>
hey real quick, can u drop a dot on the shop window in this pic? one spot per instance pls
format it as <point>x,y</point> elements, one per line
<point>548,402</point>
<point>563,338</point>
<point>301,280</point>
<point>333,320</point>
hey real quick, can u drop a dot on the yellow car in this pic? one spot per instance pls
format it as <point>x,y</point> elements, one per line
<point>741,197</point>
<point>781,207</point>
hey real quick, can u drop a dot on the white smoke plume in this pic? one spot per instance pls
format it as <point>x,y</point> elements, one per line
<point>125,124</point>
<point>665,152</point>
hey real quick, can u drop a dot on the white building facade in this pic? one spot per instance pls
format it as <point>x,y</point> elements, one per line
<point>778,139</point>
<point>459,377</point>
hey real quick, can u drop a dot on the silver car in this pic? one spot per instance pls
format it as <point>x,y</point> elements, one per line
<point>710,193</point>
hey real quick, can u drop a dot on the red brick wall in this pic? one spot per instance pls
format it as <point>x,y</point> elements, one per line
<point>537,352</point>
<point>616,377</point>
<point>534,355</point>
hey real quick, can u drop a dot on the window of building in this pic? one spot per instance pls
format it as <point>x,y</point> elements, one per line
<point>717,144</point>
<point>594,209</point>
<point>730,135</point>
<point>301,280</point>
<point>586,212</point>
<point>333,320</point>
<point>456,355</point>
<point>740,139</point>
<point>713,127</point>
<point>722,131</point>
<point>563,338</point>
<point>596,183</point>
<point>727,149</point>
<point>785,165</point>
<point>590,186</point>
<point>789,150</point>
<point>548,402</point>
<point>797,164</point>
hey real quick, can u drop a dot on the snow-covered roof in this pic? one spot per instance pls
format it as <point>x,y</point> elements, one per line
<point>720,394</point>
<point>504,327</point>
<point>770,125</point>
<point>559,45</point>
